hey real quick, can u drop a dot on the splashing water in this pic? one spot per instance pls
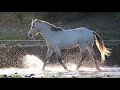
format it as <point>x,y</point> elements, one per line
<point>71,66</point>
<point>31,61</point>
<point>31,64</point>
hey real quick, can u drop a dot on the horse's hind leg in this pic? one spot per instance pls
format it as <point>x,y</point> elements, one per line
<point>49,53</point>
<point>59,57</point>
<point>83,51</point>
<point>92,53</point>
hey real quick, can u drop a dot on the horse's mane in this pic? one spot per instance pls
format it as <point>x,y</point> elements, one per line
<point>53,27</point>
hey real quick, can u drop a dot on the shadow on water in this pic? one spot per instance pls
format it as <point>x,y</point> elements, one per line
<point>12,56</point>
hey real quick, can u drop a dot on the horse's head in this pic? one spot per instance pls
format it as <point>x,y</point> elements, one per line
<point>34,30</point>
<point>39,26</point>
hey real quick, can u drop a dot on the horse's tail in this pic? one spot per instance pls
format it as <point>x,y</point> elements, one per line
<point>100,44</point>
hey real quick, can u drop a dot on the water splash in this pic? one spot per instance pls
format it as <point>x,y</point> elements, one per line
<point>71,66</point>
<point>31,64</point>
<point>31,61</point>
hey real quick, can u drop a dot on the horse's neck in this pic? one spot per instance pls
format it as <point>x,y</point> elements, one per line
<point>46,32</point>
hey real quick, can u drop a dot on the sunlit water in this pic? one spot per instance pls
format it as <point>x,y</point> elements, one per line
<point>33,65</point>
<point>31,61</point>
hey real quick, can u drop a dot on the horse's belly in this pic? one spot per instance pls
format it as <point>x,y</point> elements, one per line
<point>68,45</point>
<point>68,41</point>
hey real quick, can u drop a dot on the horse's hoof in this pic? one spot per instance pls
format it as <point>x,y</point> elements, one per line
<point>99,69</point>
<point>77,68</point>
<point>67,69</point>
<point>43,69</point>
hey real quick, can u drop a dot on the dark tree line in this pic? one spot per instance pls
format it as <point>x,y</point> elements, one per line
<point>65,16</point>
<point>55,15</point>
<point>19,15</point>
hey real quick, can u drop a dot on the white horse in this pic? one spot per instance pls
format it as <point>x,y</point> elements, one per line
<point>58,38</point>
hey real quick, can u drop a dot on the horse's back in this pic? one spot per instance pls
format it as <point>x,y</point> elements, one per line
<point>72,37</point>
<point>78,34</point>
<point>85,35</point>
<point>82,31</point>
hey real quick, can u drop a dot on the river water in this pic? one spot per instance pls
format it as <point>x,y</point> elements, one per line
<point>17,57</point>
<point>12,53</point>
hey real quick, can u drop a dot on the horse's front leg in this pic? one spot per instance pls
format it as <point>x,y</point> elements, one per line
<point>49,54</point>
<point>60,59</point>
